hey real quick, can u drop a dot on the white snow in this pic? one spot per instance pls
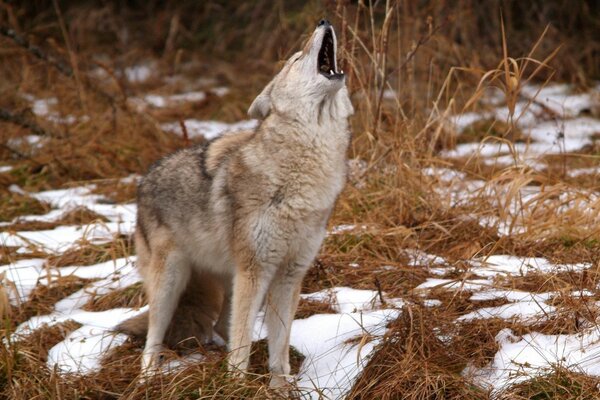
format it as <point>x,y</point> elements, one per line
<point>32,142</point>
<point>513,265</point>
<point>82,349</point>
<point>24,274</point>
<point>523,310</point>
<point>466,285</point>
<point>121,221</point>
<point>174,100</point>
<point>346,228</point>
<point>140,73</point>
<point>165,101</point>
<point>332,364</point>
<point>511,295</point>
<point>209,129</point>
<point>63,238</point>
<point>520,358</point>
<point>420,258</point>
<point>347,300</point>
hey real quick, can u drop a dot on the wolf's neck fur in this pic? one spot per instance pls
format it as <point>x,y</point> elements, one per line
<point>324,143</point>
<point>321,125</point>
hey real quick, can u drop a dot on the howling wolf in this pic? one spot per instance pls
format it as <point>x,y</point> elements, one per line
<point>226,227</point>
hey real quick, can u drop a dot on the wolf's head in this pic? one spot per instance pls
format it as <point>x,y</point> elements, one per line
<point>309,86</point>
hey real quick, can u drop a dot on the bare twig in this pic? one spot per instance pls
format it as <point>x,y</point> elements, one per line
<point>186,137</point>
<point>422,40</point>
<point>36,51</point>
<point>21,120</point>
<point>379,291</point>
<point>72,55</point>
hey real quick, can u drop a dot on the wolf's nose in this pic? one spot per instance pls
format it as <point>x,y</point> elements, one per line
<point>324,22</point>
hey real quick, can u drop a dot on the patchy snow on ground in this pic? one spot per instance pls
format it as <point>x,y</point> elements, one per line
<point>524,306</point>
<point>121,219</point>
<point>332,362</point>
<point>337,346</point>
<point>520,358</point>
<point>534,354</point>
<point>553,120</point>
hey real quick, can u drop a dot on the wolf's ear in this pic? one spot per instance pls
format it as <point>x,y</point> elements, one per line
<point>261,106</point>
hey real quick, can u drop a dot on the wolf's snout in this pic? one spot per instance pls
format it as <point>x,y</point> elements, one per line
<point>326,62</point>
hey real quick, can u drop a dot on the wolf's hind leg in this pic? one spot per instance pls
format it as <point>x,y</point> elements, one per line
<point>168,275</point>
<point>281,303</point>
<point>223,322</point>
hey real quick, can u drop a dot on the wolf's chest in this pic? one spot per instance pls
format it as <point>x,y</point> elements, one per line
<point>310,190</point>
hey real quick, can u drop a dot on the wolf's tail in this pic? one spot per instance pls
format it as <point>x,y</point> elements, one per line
<point>192,323</point>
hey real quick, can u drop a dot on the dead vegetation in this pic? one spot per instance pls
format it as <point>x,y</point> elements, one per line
<point>398,57</point>
<point>87,253</point>
<point>77,216</point>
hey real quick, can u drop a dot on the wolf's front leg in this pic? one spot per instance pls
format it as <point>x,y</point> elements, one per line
<point>249,288</point>
<point>168,277</point>
<point>281,304</point>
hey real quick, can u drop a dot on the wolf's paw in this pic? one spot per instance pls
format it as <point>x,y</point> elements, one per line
<point>281,382</point>
<point>235,372</point>
<point>283,387</point>
<point>151,360</point>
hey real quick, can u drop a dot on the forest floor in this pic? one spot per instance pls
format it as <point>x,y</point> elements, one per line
<point>495,296</point>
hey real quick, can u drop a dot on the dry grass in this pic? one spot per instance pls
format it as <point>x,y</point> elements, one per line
<point>116,191</point>
<point>132,296</point>
<point>87,253</point>
<point>15,204</point>
<point>559,383</point>
<point>307,308</point>
<point>42,299</point>
<point>392,45</point>
<point>77,216</point>
<point>414,363</point>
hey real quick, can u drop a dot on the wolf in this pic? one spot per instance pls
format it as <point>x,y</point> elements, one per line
<point>227,227</point>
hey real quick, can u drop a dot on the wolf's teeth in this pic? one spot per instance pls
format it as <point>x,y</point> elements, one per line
<point>330,72</point>
<point>342,72</point>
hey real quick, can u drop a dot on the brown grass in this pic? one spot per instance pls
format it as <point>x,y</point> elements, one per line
<point>42,298</point>
<point>559,383</point>
<point>77,216</point>
<point>15,204</point>
<point>116,191</point>
<point>413,363</point>
<point>307,308</point>
<point>89,253</point>
<point>132,296</point>
<point>391,45</point>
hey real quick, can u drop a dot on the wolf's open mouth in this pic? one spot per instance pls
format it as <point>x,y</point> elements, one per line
<point>326,60</point>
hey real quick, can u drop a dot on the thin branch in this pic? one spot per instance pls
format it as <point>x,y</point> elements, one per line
<point>21,120</point>
<point>36,51</point>
<point>422,40</point>
<point>62,67</point>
